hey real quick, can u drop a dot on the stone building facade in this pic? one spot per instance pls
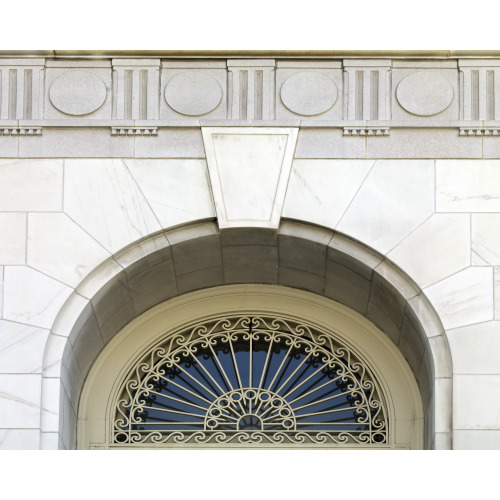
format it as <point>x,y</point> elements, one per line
<point>134,187</point>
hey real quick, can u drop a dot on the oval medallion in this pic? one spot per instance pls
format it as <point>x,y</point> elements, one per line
<point>193,93</point>
<point>77,93</point>
<point>308,93</point>
<point>424,93</point>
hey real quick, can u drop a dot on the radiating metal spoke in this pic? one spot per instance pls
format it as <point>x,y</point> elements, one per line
<point>178,412</point>
<point>235,364</point>
<point>264,370</point>
<point>222,391</point>
<point>199,396</point>
<point>317,402</point>
<point>221,368</point>
<point>293,373</point>
<point>183,401</point>
<point>279,369</point>
<point>350,408</point>
<point>195,380</point>
<point>312,391</point>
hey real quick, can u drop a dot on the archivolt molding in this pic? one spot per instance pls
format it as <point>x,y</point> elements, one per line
<point>397,390</point>
<point>173,263</point>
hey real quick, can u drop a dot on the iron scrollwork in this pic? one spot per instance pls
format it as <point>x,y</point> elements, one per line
<point>250,380</point>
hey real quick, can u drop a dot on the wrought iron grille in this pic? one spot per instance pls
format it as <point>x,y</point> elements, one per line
<point>250,380</point>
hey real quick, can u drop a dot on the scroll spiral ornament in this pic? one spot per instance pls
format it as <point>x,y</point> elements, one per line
<point>250,380</point>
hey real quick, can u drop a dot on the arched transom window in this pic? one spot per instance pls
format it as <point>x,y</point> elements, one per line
<point>250,379</point>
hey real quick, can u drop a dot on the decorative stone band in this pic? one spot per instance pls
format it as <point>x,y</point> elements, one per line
<point>474,131</point>
<point>30,131</point>
<point>363,131</point>
<point>250,89</point>
<point>144,131</point>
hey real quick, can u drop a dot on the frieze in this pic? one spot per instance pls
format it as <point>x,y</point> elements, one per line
<point>174,99</point>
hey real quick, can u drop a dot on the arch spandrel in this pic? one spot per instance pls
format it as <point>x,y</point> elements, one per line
<point>137,279</point>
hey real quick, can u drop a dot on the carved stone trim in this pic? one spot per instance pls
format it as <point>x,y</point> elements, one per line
<point>125,131</point>
<point>475,131</point>
<point>367,131</point>
<point>31,131</point>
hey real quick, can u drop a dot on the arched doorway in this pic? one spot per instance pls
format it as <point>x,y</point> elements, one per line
<point>250,365</point>
<point>168,266</point>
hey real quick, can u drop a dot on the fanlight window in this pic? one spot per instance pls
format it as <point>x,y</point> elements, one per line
<point>250,380</point>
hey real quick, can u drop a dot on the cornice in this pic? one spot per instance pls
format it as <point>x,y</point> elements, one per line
<point>263,54</point>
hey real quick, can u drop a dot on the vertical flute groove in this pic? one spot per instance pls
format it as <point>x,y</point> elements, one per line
<point>243,94</point>
<point>28,94</point>
<point>143,103</point>
<point>359,95</point>
<point>490,95</point>
<point>12,93</point>
<point>374,85</point>
<point>475,95</point>
<point>258,90</point>
<point>128,94</point>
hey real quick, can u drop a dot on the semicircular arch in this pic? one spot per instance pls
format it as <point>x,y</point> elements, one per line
<point>176,262</point>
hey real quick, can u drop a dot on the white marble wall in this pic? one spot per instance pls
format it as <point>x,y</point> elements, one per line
<point>59,219</point>
<point>439,220</point>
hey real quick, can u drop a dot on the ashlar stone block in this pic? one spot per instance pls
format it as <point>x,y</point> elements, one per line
<point>322,142</point>
<point>475,348</point>
<point>78,142</point>
<point>405,142</point>
<point>372,217</point>
<point>464,298</point>
<point>496,278</point>
<point>476,402</point>
<point>468,186</point>
<point>320,191</point>
<point>13,234</point>
<point>20,401</point>
<point>21,347</point>
<point>94,187</point>
<point>476,439</point>
<point>32,297</point>
<point>19,439</point>
<point>437,248</point>
<point>62,249</point>
<point>486,239</point>
<point>31,185</point>
<point>178,191</point>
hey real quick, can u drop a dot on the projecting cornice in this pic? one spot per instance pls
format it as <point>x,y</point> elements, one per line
<point>281,54</point>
